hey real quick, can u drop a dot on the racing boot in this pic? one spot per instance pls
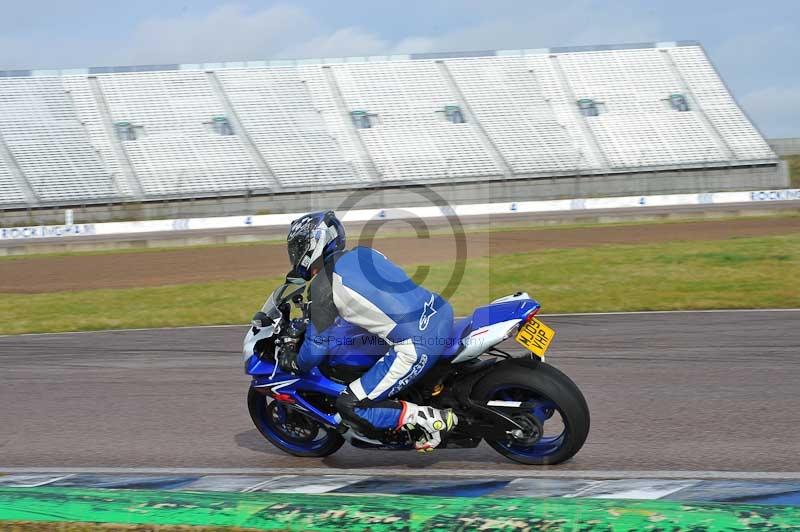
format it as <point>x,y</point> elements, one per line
<point>433,423</point>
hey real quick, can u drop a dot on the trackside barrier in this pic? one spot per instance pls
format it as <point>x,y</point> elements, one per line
<point>291,511</point>
<point>475,209</point>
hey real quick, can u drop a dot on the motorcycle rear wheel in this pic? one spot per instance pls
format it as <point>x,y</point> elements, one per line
<point>289,430</point>
<point>553,392</point>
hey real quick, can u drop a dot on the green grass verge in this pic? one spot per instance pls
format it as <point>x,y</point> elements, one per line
<point>368,513</point>
<point>735,273</point>
<point>62,526</point>
<point>794,170</point>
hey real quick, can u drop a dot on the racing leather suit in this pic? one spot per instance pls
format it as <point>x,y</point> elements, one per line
<point>360,291</point>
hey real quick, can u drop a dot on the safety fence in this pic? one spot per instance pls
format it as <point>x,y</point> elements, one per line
<point>435,211</point>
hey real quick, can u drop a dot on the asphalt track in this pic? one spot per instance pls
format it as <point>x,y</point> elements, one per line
<point>682,391</point>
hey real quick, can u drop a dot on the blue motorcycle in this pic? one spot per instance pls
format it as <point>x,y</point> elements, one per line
<point>524,408</point>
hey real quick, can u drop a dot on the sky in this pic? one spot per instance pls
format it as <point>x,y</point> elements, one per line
<point>755,45</point>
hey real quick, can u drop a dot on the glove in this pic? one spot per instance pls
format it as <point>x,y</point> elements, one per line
<point>287,357</point>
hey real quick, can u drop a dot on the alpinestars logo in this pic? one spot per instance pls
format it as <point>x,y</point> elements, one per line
<point>415,371</point>
<point>427,313</point>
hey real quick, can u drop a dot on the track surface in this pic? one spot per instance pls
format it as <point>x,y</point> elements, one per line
<point>668,391</point>
<point>207,264</point>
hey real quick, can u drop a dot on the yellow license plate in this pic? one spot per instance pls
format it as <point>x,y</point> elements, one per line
<point>536,337</point>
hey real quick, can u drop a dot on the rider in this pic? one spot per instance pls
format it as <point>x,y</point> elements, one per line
<point>361,290</point>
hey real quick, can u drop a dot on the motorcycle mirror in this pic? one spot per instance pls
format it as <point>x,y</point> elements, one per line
<point>261,320</point>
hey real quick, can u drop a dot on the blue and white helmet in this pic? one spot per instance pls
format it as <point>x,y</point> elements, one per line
<point>312,239</point>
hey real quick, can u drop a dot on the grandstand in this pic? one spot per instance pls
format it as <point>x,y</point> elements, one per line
<point>529,124</point>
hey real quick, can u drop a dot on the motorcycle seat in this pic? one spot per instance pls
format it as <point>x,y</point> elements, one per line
<point>461,328</point>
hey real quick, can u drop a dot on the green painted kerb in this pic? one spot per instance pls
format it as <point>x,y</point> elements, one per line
<point>381,513</point>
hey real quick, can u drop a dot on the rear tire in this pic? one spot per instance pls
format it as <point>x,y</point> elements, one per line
<point>547,382</point>
<point>303,441</point>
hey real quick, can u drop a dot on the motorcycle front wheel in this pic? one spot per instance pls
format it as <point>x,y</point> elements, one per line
<point>558,424</point>
<point>289,430</point>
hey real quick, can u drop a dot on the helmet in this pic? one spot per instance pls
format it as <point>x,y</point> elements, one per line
<point>312,239</point>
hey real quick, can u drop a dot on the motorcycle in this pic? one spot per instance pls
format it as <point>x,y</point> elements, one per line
<point>524,408</point>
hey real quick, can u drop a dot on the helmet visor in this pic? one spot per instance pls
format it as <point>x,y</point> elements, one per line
<point>297,246</point>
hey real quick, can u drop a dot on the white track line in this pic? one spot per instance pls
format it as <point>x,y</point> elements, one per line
<point>48,481</point>
<point>634,312</point>
<point>244,325</point>
<point>263,483</point>
<point>373,472</point>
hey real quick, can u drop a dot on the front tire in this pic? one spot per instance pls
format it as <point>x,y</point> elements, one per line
<point>556,393</point>
<point>289,430</point>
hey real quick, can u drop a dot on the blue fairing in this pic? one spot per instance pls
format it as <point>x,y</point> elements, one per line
<point>289,384</point>
<point>363,349</point>
<point>505,311</point>
<point>488,315</point>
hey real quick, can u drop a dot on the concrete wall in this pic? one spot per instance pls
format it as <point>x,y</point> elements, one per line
<point>646,183</point>
<point>278,233</point>
<point>784,147</point>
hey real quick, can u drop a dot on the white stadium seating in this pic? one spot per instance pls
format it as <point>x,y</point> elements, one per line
<point>90,116</point>
<point>176,149</point>
<point>275,108</point>
<point>132,134</point>
<point>638,128</point>
<point>507,97</point>
<point>411,139</point>
<point>10,193</point>
<point>40,128</point>
<point>718,104</point>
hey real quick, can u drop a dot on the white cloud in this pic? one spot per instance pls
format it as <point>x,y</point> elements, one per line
<point>232,32</point>
<point>229,32</point>
<point>576,23</point>
<point>760,67</point>
<point>749,59</point>
<point>340,43</point>
<point>413,45</point>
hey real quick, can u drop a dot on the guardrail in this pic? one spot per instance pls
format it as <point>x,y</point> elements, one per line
<point>475,209</point>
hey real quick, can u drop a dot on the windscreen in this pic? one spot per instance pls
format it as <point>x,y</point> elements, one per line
<point>279,296</point>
